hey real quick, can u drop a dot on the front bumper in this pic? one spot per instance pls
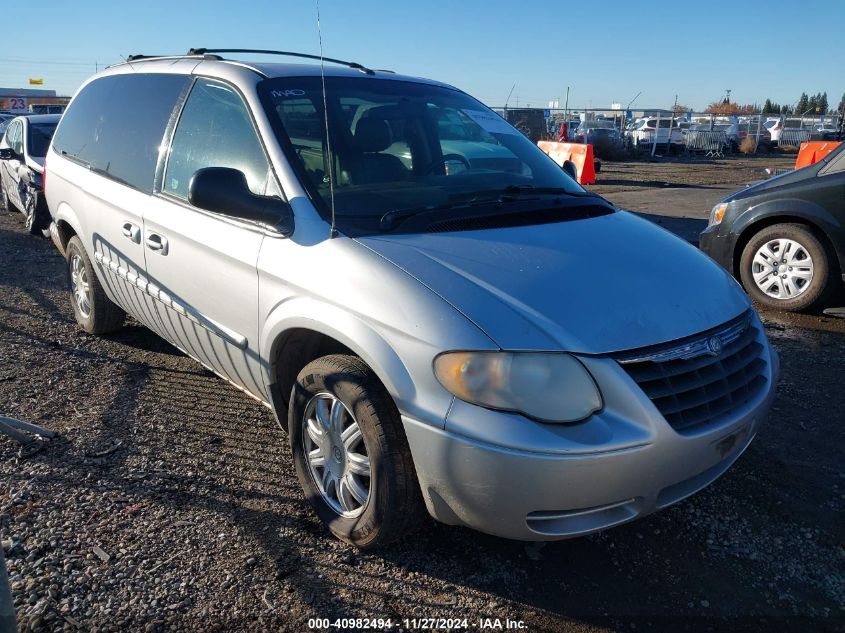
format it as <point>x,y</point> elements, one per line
<point>565,481</point>
<point>719,246</point>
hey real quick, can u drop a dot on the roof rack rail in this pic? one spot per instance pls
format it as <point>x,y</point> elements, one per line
<point>136,58</point>
<point>355,65</point>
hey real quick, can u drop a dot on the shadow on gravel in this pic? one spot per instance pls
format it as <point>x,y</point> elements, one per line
<point>143,339</point>
<point>686,228</point>
<point>660,184</point>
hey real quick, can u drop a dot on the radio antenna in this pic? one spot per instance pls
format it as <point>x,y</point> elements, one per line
<point>333,231</point>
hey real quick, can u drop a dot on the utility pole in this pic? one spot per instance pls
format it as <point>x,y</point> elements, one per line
<point>566,107</point>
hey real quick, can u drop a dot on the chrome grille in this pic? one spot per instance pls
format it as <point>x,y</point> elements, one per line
<point>692,386</point>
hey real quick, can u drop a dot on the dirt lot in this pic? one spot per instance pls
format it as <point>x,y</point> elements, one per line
<point>185,487</point>
<point>679,188</point>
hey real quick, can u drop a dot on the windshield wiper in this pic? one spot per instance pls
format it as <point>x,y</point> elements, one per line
<point>394,217</point>
<point>519,189</point>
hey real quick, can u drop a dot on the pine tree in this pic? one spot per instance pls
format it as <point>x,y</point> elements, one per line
<point>823,105</point>
<point>803,104</point>
<point>768,107</point>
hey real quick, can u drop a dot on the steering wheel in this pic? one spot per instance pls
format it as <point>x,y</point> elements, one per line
<point>442,161</point>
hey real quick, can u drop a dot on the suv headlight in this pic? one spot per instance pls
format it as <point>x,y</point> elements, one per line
<point>718,213</point>
<point>546,386</point>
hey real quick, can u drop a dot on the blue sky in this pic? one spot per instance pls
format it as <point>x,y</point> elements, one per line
<point>604,51</point>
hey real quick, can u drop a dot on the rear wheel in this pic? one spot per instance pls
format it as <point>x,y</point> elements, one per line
<point>7,203</point>
<point>94,311</point>
<point>351,454</point>
<point>786,267</point>
<point>35,213</point>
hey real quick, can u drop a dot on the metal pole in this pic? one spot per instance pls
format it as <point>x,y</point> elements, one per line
<point>656,135</point>
<point>566,108</point>
<point>757,139</point>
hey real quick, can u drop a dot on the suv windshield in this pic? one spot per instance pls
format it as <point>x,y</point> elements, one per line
<point>400,146</point>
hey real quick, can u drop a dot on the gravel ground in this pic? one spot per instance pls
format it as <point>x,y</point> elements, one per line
<point>692,173</point>
<point>169,502</point>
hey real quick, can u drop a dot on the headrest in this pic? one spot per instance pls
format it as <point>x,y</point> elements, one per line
<point>372,135</point>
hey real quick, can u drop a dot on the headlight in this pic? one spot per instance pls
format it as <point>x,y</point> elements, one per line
<point>718,213</point>
<point>550,387</point>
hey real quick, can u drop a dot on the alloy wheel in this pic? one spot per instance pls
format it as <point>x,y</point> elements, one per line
<point>29,208</point>
<point>337,455</point>
<point>782,268</point>
<point>80,285</point>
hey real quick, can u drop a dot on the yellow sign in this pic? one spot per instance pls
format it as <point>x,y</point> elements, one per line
<point>36,82</point>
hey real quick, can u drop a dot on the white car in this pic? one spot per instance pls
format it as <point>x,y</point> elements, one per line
<point>650,130</point>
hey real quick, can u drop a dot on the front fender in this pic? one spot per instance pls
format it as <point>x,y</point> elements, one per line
<point>365,340</point>
<point>354,333</point>
<point>788,208</point>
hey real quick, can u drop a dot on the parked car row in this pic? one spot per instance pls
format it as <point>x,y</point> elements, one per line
<point>405,303</point>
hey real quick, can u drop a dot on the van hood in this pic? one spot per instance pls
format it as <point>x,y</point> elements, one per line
<point>598,285</point>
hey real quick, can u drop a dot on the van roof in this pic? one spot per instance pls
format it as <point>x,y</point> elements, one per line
<point>332,67</point>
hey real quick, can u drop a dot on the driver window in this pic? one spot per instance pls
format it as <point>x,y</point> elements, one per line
<point>14,138</point>
<point>215,130</point>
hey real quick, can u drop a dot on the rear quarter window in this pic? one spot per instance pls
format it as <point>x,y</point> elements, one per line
<point>116,125</point>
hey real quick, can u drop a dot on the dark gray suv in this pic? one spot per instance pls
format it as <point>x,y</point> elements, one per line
<point>784,237</point>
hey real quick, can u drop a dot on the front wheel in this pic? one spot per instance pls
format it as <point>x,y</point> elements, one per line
<point>786,267</point>
<point>351,454</point>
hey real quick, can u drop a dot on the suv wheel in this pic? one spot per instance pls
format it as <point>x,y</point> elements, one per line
<point>786,267</point>
<point>351,454</point>
<point>94,311</point>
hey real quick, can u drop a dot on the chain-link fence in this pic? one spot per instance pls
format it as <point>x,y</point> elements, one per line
<point>660,132</point>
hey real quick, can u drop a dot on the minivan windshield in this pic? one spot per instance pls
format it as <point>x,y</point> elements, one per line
<point>398,147</point>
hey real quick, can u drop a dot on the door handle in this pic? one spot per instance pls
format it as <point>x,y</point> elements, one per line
<point>132,231</point>
<point>156,242</point>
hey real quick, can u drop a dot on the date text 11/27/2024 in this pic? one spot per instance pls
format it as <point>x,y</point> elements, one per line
<point>417,624</point>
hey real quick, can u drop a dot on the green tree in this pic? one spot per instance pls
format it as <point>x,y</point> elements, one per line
<point>841,107</point>
<point>822,103</point>
<point>803,104</point>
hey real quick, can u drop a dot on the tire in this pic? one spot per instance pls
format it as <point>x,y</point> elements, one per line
<point>7,203</point>
<point>94,311</point>
<point>36,215</point>
<point>812,290</point>
<point>393,506</point>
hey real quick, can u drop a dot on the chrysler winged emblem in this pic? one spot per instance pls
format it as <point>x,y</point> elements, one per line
<point>714,345</point>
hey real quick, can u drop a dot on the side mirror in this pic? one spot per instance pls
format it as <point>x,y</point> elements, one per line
<point>570,168</point>
<point>7,153</point>
<point>225,191</point>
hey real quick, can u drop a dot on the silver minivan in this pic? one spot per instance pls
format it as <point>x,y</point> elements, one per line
<point>440,325</point>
